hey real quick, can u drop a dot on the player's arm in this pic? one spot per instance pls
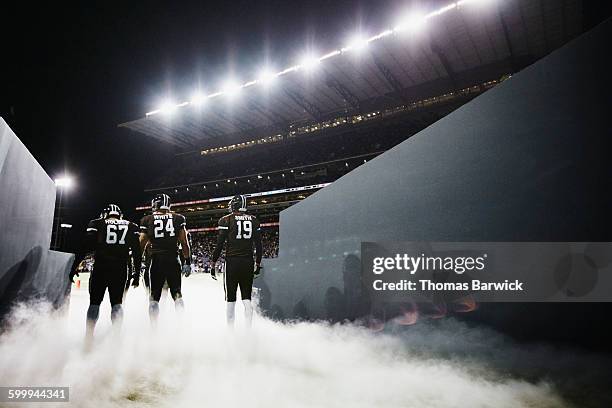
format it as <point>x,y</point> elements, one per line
<point>258,248</point>
<point>185,247</point>
<point>143,239</point>
<point>136,248</point>
<point>221,238</point>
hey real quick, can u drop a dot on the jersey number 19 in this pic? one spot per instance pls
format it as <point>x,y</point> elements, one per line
<point>245,229</point>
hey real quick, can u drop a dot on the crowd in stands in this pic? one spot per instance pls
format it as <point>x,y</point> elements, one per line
<point>214,171</point>
<point>203,245</point>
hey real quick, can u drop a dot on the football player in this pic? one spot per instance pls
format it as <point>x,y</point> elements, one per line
<point>241,232</point>
<point>114,241</point>
<point>164,231</point>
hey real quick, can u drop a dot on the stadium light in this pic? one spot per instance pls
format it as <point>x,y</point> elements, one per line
<point>358,43</point>
<point>197,99</point>
<point>411,23</point>
<point>266,77</point>
<point>309,62</point>
<point>168,107</point>
<point>464,2</point>
<point>64,182</point>
<point>231,88</point>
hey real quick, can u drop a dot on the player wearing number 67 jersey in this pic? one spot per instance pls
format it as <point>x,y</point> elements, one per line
<point>111,238</point>
<point>164,230</point>
<point>242,232</point>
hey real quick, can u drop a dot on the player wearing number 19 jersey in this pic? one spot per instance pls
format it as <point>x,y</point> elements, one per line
<point>164,230</point>
<point>111,238</point>
<point>242,232</point>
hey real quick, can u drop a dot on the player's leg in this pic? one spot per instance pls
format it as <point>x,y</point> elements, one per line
<point>116,287</point>
<point>173,278</point>
<point>165,290</point>
<point>245,282</point>
<point>230,284</point>
<point>126,286</point>
<point>157,277</point>
<point>146,273</point>
<point>97,287</point>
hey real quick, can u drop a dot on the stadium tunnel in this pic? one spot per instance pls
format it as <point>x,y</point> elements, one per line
<point>29,270</point>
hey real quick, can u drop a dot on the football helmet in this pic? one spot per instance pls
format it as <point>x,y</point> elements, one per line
<point>113,209</point>
<point>160,202</point>
<point>238,203</point>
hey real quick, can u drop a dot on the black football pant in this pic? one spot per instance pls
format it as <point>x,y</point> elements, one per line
<point>146,274</point>
<point>111,274</point>
<point>238,272</point>
<point>165,268</point>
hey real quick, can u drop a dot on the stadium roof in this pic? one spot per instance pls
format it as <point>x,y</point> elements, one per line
<point>461,45</point>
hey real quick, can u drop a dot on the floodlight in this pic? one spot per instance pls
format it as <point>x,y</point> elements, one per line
<point>357,43</point>
<point>231,88</point>
<point>477,2</point>
<point>411,23</point>
<point>64,182</point>
<point>168,107</point>
<point>266,77</point>
<point>309,62</point>
<point>198,98</point>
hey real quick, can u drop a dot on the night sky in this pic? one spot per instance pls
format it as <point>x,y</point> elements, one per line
<point>70,75</point>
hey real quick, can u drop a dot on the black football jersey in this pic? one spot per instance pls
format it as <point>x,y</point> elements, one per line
<point>162,230</point>
<point>113,237</point>
<point>242,232</point>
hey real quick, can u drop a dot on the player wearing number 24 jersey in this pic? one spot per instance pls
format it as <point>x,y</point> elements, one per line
<point>164,230</point>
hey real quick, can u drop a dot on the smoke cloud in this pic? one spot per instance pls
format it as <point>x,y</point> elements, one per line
<point>193,360</point>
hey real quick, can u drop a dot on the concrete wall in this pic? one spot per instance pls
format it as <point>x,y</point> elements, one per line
<point>27,198</point>
<point>526,161</point>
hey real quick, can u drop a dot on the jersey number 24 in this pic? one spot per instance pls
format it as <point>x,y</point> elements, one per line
<point>161,228</point>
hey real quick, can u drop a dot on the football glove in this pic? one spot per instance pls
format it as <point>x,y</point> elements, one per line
<point>257,271</point>
<point>135,280</point>
<point>73,273</point>
<point>186,270</point>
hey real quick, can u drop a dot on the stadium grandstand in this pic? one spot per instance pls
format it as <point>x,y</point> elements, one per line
<point>289,133</point>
